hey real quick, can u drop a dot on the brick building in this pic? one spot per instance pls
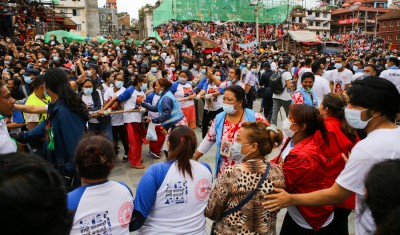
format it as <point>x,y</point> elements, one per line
<point>389,27</point>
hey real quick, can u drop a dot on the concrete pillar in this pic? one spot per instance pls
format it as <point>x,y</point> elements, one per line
<point>92,18</point>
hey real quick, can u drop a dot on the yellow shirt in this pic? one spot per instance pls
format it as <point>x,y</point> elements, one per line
<point>36,101</point>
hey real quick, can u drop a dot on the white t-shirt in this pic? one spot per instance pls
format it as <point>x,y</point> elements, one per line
<point>273,66</point>
<point>154,102</point>
<point>301,72</point>
<point>116,119</point>
<point>380,145</point>
<point>285,95</point>
<point>130,98</point>
<point>103,208</point>
<point>87,99</point>
<point>183,91</point>
<point>339,79</point>
<point>357,76</point>
<point>7,145</point>
<point>392,75</point>
<point>320,88</point>
<point>217,101</point>
<point>173,203</point>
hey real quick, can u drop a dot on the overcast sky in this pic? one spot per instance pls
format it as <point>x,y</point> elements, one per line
<point>130,6</point>
<point>133,6</point>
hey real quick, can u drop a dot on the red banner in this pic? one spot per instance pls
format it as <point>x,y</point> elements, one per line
<point>348,21</point>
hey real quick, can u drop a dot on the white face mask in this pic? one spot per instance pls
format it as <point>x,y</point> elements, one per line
<point>338,65</point>
<point>286,128</point>
<point>353,118</point>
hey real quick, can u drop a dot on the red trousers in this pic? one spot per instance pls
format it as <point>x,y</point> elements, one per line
<point>136,133</point>
<point>155,146</point>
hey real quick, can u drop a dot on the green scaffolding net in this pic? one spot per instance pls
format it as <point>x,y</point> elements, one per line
<point>270,11</point>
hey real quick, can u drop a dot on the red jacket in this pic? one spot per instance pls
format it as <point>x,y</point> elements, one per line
<point>304,169</point>
<point>338,143</point>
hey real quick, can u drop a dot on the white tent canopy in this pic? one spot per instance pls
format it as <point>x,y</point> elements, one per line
<point>304,36</point>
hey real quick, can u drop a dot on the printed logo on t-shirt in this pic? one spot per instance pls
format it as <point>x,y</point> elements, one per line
<point>338,87</point>
<point>176,193</point>
<point>138,101</point>
<point>187,91</point>
<point>202,190</point>
<point>96,224</point>
<point>212,90</point>
<point>125,213</point>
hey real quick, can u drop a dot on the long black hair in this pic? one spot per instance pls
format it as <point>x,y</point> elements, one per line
<point>57,81</point>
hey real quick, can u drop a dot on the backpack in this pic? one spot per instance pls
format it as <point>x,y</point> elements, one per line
<point>276,82</point>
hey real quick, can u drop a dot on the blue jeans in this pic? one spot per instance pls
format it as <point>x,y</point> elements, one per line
<point>277,104</point>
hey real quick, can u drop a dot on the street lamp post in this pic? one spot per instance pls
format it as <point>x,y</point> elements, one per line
<point>109,20</point>
<point>255,4</point>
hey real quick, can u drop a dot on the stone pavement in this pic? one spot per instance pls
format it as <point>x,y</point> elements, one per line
<point>131,177</point>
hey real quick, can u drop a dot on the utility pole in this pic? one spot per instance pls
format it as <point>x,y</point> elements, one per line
<point>257,27</point>
<point>287,21</point>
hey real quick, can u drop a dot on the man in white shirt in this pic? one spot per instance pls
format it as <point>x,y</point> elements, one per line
<point>7,145</point>
<point>392,72</point>
<point>284,99</point>
<point>321,85</point>
<point>340,78</point>
<point>364,111</point>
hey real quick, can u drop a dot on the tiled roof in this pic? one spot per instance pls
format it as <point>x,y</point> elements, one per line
<point>392,14</point>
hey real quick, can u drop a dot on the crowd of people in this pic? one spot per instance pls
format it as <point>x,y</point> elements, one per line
<point>78,105</point>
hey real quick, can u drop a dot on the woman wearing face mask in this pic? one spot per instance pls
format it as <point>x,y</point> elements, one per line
<point>305,94</point>
<point>213,97</point>
<point>183,91</point>
<point>93,100</point>
<point>225,126</point>
<point>117,120</point>
<point>304,167</point>
<point>254,141</point>
<point>252,79</point>
<point>109,80</point>
<point>131,98</point>
<point>341,139</point>
<point>170,114</point>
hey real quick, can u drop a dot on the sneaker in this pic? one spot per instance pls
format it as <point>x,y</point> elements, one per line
<point>125,158</point>
<point>158,156</point>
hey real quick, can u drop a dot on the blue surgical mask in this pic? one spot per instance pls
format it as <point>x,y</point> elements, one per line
<point>169,76</point>
<point>353,118</point>
<point>203,71</point>
<point>218,78</point>
<point>338,65</point>
<point>117,48</point>
<point>229,108</point>
<point>173,69</point>
<point>366,76</point>
<point>154,69</point>
<point>153,52</point>
<point>183,48</point>
<point>160,92</point>
<point>88,91</point>
<point>95,57</point>
<point>89,73</point>
<point>184,68</point>
<point>55,58</point>
<point>27,79</point>
<point>143,87</point>
<point>124,51</point>
<point>119,84</point>
<point>254,70</point>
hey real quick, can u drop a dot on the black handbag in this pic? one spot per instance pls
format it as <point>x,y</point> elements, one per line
<point>244,201</point>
